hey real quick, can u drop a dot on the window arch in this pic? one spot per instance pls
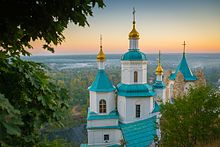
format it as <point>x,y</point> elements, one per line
<point>135,76</point>
<point>102,106</point>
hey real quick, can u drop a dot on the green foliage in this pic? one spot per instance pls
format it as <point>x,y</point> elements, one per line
<point>55,143</point>
<point>32,100</point>
<point>191,120</point>
<point>39,19</point>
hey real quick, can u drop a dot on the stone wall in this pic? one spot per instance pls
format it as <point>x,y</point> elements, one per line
<point>179,83</point>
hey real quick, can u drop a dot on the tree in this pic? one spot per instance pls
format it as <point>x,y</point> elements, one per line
<point>192,120</point>
<point>22,21</point>
<point>28,97</point>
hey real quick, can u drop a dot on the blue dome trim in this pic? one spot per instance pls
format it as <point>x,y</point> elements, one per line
<point>159,85</point>
<point>135,90</point>
<point>185,70</point>
<point>133,55</point>
<point>102,83</point>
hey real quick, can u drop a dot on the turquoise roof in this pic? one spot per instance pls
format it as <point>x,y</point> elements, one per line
<point>135,90</point>
<point>159,85</point>
<point>83,145</point>
<point>140,133</point>
<point>104,127</point>
<point>156,108</point>
<point>101,83</point>
<point>185,70</point>
<point>94,116</point>
<point>116,145</point>
<point>134,54</point>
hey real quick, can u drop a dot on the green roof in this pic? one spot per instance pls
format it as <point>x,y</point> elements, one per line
<point>140,133</point>
<point>134,54</point>
<point>156,108</point>
<point>159,85</point>
<point>94,116</point>
<point>102,83</point>
<point>185,70</point>
<point>104,127</point>
<point>135,90</point>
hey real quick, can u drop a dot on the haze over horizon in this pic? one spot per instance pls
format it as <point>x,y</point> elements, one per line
<point>163,25</point>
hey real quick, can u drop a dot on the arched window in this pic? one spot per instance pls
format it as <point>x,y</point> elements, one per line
<point>135,76</point>
<point>102,106</point>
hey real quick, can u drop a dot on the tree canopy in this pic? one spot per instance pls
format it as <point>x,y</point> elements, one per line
<point>192,120</point>
<point>24,20</point>
<point>29,99</point>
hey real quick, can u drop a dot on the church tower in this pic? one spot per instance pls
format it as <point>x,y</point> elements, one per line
<point>102,119</point>
<point>135,96</point>
<point>159,86</point>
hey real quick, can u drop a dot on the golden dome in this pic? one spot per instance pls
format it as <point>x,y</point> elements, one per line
<point>101,55</point>
<point>159,69</point>
<point>134,33</point>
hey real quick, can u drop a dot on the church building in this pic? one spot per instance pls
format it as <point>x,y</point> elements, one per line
<point>128,114</point>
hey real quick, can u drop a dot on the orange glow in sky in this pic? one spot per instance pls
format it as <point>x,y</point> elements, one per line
<point>162,26</point>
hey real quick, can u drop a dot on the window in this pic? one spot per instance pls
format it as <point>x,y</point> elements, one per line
<point>106,137</point>
<point>138,111</point>
<point>135,76</point>
<point>102,106</point>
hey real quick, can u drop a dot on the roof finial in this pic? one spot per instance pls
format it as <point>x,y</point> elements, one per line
<point>134,15</point>
<point>184,47</point>
<point>159,57</point>
<point>101,55</point>
<point>100,41</point>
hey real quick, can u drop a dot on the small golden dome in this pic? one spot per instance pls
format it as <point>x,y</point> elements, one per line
<point>159,69</point>
<point>101,55</point>
<point>134,33</point>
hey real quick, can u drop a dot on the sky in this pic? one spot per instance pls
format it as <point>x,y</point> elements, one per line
<point>162,25</point>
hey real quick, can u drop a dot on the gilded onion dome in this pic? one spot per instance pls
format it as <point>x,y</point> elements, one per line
<point>134,33</point>
<point>101,55</point>
<point>159,69</point>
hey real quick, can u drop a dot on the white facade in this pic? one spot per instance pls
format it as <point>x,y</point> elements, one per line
<point>96,97</point>
<point>96,137</point>
<point>127,108</point>
<point>160,94</point>
<point>128,68</point>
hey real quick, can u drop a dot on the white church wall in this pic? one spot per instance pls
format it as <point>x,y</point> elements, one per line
<point>129,67</point>
<point>121,107</point>
<point>101,123</point>
<point>96,137</point>
<point>128,114</point>
<point>160,93</point>
<point>95,97</point>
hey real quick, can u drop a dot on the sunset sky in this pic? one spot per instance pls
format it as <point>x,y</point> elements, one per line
<point>162,24</point>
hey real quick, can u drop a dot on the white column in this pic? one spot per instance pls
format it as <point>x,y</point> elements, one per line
<point>159,78</point>
<point>133,43</point>
<point>101,65</point>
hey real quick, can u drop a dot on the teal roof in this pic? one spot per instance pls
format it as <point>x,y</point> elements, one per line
<point>159,85</point>
<point>140,133</point>
<point>134,54</point>
<point>101,83</point>
<point>83,145</point>
<point>104,127</point>
<point>94,116</point>
<point>116,145</point>
<point>135,90</point>
<point>156,108</point>
<point>185,70</point>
